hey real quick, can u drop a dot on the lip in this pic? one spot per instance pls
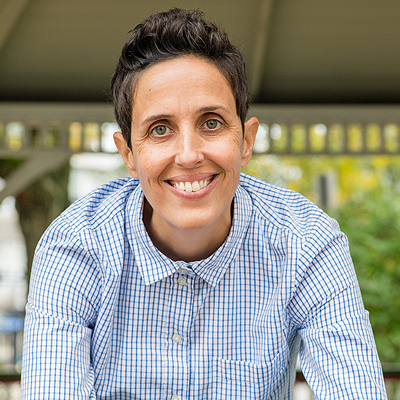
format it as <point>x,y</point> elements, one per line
<point>193,195</point>
<point>191,178</point>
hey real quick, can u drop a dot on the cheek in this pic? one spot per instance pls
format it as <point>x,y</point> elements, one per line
<point>149,163</point>
<point>143,168</point>
<point>229,155</point>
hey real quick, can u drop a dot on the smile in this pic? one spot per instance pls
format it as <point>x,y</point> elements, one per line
<point>191,186</point>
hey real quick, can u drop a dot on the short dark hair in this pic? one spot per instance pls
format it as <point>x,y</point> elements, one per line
<point>171,34</point>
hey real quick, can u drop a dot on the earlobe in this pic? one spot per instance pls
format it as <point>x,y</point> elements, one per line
<point>126,153</point>
<point>250,132</point>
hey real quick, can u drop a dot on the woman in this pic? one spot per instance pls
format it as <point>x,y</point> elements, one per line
<point>192,280</point>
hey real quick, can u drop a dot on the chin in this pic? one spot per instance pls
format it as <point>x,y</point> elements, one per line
<point>203,221</point>
<point>191,224</point>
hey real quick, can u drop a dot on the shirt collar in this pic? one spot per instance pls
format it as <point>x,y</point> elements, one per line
<point>154,265</point>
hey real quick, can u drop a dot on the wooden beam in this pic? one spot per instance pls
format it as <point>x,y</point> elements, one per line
<point>260,47</point>
<point>10,13</point>
<point>40,163</point>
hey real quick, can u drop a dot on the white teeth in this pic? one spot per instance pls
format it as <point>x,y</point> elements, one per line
<point>195,186</point>
<point>191,187</point>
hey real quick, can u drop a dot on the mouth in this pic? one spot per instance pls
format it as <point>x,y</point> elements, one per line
<point>194,186</point>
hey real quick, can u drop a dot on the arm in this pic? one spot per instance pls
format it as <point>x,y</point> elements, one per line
<point>60,315</point>
<point>338,353</point>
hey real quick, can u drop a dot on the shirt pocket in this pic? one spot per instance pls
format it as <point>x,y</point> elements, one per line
<point>245,380</point>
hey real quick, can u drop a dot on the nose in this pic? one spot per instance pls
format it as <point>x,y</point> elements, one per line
<point>189,149</point>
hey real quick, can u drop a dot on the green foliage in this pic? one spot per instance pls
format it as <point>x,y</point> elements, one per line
<point>39,204</point>
<point>368,193</point>
<point>372,223</point>
<point>8,165</point>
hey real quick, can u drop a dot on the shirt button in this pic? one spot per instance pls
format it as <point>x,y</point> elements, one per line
<point>182,280</point>
<point>174,397</point>
<point>177,338</point>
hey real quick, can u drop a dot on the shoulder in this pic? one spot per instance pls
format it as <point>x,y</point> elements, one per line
<point>101,210</point>
<point>101,205</point>
<point>76,246</point>
<point>285,209</point>
<point>79,250</point>
<point>296,227</point>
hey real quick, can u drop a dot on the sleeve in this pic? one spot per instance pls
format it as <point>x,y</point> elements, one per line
<point>60,315</point>
<point>338,354</point>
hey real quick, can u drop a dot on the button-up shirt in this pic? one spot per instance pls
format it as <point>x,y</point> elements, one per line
<point>111,317</point>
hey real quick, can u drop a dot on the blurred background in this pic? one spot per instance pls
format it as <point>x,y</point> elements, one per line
<point>325,81</point>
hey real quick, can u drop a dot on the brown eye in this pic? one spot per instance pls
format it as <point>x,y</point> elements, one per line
<point>212,124</point>
<point>160,130</point>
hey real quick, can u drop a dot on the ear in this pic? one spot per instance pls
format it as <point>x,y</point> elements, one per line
<point>126,153</point>
<point>249,137</point>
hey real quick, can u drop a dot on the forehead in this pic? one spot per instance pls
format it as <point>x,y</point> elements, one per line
<point>187,81</point>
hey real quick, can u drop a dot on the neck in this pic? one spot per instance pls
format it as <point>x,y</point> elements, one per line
<point>186,244</point>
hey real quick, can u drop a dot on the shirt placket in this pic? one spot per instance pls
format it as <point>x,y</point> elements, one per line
<point>176,368</point>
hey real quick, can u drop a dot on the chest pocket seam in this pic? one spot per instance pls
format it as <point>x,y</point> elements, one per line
<point>262,378</point>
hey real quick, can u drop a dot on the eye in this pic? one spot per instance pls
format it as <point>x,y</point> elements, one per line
<point>212,124</point>
<point>160,130</point>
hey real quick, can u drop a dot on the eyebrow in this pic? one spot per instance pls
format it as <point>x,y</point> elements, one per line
<point>213,108</point>
<point>157,117</point>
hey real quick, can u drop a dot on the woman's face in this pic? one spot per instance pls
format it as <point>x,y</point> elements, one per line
<point>187,144</point>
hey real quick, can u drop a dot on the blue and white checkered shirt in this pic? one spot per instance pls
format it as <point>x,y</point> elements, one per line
<point>110,317</point>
